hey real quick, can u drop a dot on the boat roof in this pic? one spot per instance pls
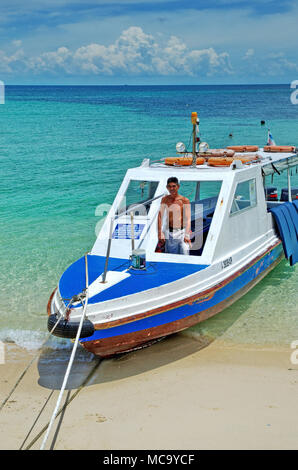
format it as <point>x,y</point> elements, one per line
<point>276,162</point>
<point>269,162</point>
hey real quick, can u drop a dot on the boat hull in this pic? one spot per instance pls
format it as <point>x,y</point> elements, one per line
<point>119,339</point>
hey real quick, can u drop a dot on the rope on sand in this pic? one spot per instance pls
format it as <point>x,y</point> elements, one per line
<point>68,370</point>
<point>62,408</point>
<point>42,345</point>
<point>38,416</point>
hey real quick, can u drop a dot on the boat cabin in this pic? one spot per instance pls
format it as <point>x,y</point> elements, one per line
<point>229,210</point>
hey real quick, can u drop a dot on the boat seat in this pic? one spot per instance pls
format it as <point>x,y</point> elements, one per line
<point>197,212</point>
<point>202,232</point>
<point>208,204</point>
<point>272,204</point>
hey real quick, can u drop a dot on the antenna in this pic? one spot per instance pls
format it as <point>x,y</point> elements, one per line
<point>195,128</point>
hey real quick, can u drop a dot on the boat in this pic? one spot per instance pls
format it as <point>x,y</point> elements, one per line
<point>127,292</point>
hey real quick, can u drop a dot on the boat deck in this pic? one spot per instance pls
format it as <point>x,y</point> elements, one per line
<point>156,274</point>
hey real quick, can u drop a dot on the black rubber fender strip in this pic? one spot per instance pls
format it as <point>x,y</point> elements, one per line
<point>68,329</point>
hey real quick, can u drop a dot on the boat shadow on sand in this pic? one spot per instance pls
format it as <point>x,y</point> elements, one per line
<point>52,363</point>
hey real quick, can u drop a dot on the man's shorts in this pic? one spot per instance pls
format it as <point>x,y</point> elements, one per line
<point>175,243</point>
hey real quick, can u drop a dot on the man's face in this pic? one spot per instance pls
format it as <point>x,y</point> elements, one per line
<point>173,188</point>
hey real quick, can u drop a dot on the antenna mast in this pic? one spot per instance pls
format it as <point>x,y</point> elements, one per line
<point>195,128</point>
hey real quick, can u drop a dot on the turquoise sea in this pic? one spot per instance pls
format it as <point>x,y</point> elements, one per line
<point>65,149</point>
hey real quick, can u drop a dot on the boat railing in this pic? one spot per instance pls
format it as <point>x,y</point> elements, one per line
<point>132,208</point>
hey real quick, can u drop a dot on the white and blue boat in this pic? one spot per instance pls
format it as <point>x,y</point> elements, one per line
<point>131,293</point>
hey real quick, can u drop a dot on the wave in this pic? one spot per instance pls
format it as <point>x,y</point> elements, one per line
<point>33,340</point>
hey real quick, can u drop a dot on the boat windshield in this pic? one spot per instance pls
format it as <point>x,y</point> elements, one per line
<point>138,193</point>
<point>203,196</point>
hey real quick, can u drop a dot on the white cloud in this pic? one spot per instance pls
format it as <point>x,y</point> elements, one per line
<point>133,53</point>
<point>59,60</point>
<point>11,63</point>
<point>249,54</point>
<point>16,43</point>
<point>137,53</point>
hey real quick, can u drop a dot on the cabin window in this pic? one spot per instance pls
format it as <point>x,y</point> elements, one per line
<point>245,196</point>
<point>200,190</point>
<point>138,193</point>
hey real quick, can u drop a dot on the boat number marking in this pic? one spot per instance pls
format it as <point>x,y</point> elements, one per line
<point>227,262</point>
<point>108,316</point>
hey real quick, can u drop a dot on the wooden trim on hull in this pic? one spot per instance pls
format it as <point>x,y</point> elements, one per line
<point>108,347</point>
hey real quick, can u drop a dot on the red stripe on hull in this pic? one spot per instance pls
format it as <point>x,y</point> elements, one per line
<point>108,347</point>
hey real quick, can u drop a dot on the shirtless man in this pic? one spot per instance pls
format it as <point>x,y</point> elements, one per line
<point>177,235</point>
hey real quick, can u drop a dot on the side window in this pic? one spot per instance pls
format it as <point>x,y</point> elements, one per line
<point>245,196</point>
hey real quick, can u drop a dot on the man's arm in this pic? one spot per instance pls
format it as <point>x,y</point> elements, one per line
<point>187,215</point>
<point>161,236</point>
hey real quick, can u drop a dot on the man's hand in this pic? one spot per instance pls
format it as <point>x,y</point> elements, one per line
<point>162,238</point>
<point>187,240</point>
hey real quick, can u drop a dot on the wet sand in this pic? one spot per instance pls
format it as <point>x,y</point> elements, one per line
<point>181,393</point>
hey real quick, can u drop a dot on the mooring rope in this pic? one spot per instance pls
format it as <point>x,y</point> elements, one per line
<point>73,299</point>
<point>63,406</point>
<point>35,421</point>
<point>54,415</point>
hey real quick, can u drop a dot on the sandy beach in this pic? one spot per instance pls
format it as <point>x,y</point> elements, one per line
<point>181,393</point>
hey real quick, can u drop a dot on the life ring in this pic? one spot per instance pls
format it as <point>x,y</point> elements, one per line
<point>279,148</point>
<point>244,148</point>
<point>218,153</point>
<point>183,161</point>
<point>227,161</point>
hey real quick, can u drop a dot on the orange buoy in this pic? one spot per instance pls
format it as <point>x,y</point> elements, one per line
<point>247,156</point>
<point>218,153</point>
<point>220,161</point>
<point>227,161</point>
<point>183,161</point>
<point>279,148</point>
<point>244,148</point>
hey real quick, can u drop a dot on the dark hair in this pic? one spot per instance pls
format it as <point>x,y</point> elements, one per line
<point>173,179</point>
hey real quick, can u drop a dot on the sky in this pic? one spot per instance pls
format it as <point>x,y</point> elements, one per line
<point>148,42</point>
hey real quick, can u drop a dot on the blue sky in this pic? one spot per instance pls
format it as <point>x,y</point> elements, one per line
<point>148,41</point>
